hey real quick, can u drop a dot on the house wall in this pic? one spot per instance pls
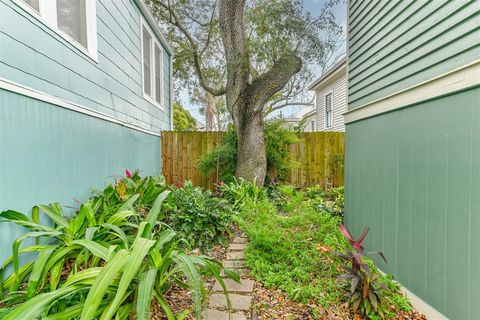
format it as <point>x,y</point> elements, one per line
<point>307,127</point>
<point>412,172</point>
<point>338,86</point>
<point>393,45</point>
<point>48,151</point>
<point>33,55</point>
<point>413,177</point>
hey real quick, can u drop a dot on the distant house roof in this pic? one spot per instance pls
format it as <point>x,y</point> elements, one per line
<point>326,74</point>
<point>154,25</point>
<point>308,114</point>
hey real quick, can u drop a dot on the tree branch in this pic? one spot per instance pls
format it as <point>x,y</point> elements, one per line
<point>266,85</point>
<point>281,106</point>
<point>197,59</point>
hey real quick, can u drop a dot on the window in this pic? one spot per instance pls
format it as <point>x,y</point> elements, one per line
<point>74,20</point>
<point>312,126</point>
<point>147,86</point>
<point>152,67</point>
<point>328,110</point>
<point>158,75</point>
<point>33,4</point>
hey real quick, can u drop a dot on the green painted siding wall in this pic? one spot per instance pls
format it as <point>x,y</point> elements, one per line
<point>48,154</point>
<point>33,55</point>
<point>393,45</point>
<point>413,176</point>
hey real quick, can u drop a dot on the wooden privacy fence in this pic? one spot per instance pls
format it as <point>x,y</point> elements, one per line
<point>319,155</point>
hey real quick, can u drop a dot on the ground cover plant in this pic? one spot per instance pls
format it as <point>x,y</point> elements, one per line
<point>292,245</point>
<point>109,259</point>
<point>330,200</point>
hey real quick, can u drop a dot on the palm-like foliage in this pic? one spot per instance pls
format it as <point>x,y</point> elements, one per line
<point>107,261</point>
<point>366,292</point>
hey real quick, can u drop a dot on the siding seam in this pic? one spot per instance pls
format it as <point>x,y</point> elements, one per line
<point>25,91</point>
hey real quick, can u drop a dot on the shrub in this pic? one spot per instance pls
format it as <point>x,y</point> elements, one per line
<point>198,217</point>
<point>107,260</point>
<point>279,161</point>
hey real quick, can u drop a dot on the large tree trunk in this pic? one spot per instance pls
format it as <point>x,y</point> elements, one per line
<point>247,96</point>
<point>251,155</point>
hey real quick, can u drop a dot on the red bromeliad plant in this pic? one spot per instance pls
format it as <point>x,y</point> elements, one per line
<point>366,293</point>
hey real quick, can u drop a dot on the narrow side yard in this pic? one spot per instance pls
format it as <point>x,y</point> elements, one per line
<point>140,249</point>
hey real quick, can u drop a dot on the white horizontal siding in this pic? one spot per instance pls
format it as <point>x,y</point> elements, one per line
<point>307,127</point>
<point>338,87</point>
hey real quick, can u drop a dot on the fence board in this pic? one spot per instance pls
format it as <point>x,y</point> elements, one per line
<point>320,157</point>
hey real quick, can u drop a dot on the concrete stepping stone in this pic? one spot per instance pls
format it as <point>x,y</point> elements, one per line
<point>234,264</point>
<point>240,240</point>
<point>212,314</point>
<point>237,246</point>
<point>236,255</point>
<point>241,272</point>
<point>244,286</point>
<point>238,302</point>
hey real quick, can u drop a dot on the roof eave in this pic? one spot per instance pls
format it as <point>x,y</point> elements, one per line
<point>329,74</point>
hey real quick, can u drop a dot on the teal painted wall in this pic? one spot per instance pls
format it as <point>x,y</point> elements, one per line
<point>48,154</point>
<point>33,55</point>
<point>413,176</point>
<point>393,45</point>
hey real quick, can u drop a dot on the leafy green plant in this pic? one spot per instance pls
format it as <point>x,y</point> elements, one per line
<point>198,217</point>
<point>241,193</point>
<point>293,198</point>
<point>279,161</point>
<point>107,260</point>
<point>366,293</point>
<point>330,200</point>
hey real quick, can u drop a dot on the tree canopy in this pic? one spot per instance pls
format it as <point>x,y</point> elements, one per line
<point>182,119</point>
<point>273,28</point>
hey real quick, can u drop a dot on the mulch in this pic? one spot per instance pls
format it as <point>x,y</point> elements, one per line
<point>179,298</point>
<point>273,304</point>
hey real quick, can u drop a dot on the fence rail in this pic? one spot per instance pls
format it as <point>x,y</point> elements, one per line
<point>320,157</point>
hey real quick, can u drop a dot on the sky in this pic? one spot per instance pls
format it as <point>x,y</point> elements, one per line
<point>313,6</point>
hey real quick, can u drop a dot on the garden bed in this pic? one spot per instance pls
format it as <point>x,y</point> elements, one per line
<point>293,236</point>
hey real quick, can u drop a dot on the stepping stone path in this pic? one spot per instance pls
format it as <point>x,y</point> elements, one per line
<point>239,293</point>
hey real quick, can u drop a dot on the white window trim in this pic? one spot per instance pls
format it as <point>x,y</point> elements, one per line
<point>155,41</point>
<point>325,108</point>
<point>48,17</point>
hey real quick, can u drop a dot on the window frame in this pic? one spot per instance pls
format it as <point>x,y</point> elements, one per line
<point>329,93</point>
<point>47,15</point>
<point>153,65</point>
